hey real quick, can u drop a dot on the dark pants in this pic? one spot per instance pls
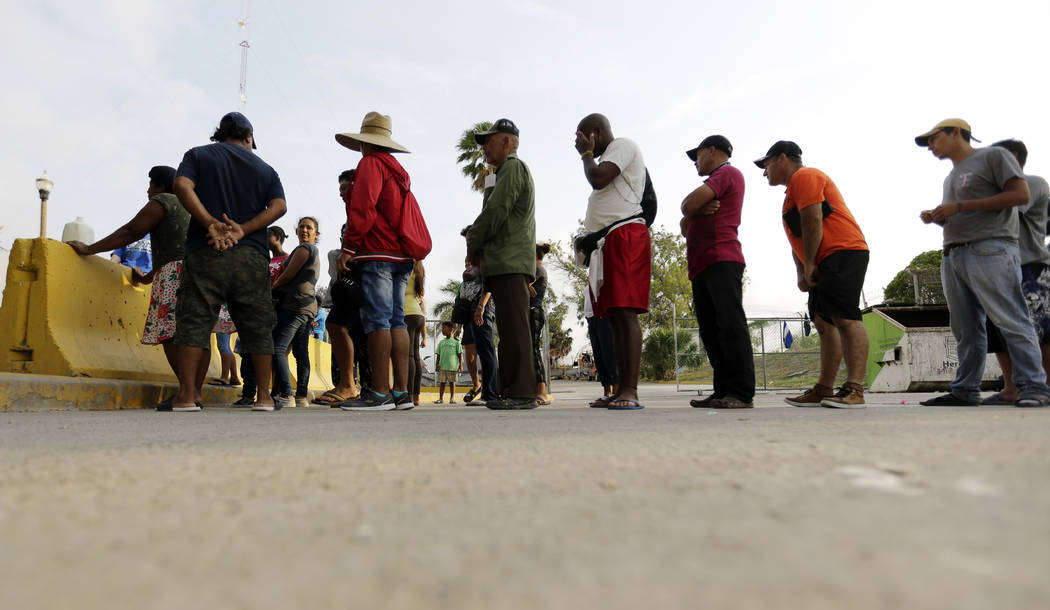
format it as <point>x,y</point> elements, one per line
<point>288,324</point>
<point>361,364</point>
<point>301,351</point>
<point>599,330</point>
<point>484,339</point>
<point>415,324</point>
<point>537,320</point>
<point>517,374</point>
<point>718,299</point>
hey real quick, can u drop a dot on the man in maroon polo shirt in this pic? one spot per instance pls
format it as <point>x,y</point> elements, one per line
<point>710,217</point>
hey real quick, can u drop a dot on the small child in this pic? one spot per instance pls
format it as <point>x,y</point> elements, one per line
<point>449,365</point>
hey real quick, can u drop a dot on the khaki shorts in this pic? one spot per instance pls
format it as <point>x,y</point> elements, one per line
<point>447,377</point>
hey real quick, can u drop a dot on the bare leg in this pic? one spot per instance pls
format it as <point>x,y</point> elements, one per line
<point>343,352</point>
<point>189,359</point>
<point>230,361</point>
<point>1009,389</point>
<point>470,354</point>
<point>452,392</point>
<point>627,338</point>
<point>262,364</point>
<point>441,391</point>
<point>854,338</point>
<point>830,351</point>
<point>379,355</point>
<point>171,353</point>
<point>202,372</point>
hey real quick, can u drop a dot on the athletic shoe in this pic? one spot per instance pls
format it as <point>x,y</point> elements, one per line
<point>729,402</point>
<point>703,403</point>
<point>302,401</point>
<point>1033,400</point>
<point>371,401</point>
<point>196,407</point>
<point>278,404</point>
<point>404,402</point>
<point>512,404</point>
<point>811,397</point>
<point>849,396</point>
<point>244,401</point>
<point>948,400</point>
<point>477,402</point>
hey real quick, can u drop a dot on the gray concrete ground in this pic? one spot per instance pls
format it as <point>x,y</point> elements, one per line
<point>893,506</point>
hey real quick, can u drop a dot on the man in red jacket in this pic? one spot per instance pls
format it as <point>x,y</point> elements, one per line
<point>373,221</point>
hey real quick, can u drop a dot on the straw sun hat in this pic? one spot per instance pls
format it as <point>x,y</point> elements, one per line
<point>375,130</point>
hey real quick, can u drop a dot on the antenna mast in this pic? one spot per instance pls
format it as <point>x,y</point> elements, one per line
<point>243,23</point>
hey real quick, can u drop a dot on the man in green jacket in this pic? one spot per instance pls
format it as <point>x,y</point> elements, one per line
<point>502,241</point>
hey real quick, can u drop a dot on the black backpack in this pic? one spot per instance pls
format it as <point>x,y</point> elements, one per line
<point>648,200</point>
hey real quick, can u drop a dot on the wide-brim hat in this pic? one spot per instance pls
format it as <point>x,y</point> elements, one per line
<point>375,130</point>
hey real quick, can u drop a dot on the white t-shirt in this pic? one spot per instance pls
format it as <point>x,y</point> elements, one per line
<point>622,197</point>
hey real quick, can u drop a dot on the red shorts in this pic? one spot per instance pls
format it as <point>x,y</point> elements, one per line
<point>626,267</point>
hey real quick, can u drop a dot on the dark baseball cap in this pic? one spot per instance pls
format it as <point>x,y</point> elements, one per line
<point>500,126</point>
<point>781,147</point>
<point>719,142</point>
<point>239,120</point>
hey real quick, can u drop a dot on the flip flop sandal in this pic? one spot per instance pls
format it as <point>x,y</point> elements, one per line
<point>632,405</point>
<point>331,398</point>
<point>601,403</point>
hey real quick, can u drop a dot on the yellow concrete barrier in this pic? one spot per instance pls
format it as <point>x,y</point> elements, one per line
<point>68,315</point>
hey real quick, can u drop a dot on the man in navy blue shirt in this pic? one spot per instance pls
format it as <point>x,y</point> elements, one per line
<point>232,196</point>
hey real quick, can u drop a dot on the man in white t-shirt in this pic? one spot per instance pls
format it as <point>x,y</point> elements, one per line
<point>621,266</point>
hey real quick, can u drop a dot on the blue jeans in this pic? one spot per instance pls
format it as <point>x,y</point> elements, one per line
<point>301,351</point>
<point>983,279</point>
<point>384,287</point>
<point>222,342</point>
<point>288,324</point>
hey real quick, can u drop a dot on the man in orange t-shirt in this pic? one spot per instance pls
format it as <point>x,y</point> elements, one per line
<point>831,258</point>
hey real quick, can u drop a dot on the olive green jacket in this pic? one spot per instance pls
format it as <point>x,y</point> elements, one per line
<point>505,231</point>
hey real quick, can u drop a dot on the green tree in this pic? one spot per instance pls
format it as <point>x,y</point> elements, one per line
<point>472,157</point>
<point>442,310</point>
<point>901,288</point>
<point>658,353</point>
<point>556,309</point>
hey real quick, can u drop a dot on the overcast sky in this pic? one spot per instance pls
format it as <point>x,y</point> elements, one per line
<point>98,92</point>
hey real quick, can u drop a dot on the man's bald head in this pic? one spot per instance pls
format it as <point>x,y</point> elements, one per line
<point>597,125</point>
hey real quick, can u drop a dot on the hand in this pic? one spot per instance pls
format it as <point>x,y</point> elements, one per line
<point>803,286</point>
<point>138,277</point>
<point>424,342</point>
<point>943,211</point>
<point>710,207</point>
<point>219,236</point>
<point>343,264</point>
<point>236,230</point>
<point>926,216</point>
<point>532,291</point>
<point>79,247</point>
<point>810,275</point>
<point>479,316</point>
<point>584,142</point>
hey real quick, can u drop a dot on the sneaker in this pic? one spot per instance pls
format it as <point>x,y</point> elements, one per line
<point>1033,400</point>
<point>404,402</point>
<point>371,401</point>
<point>477,402</point>
<point>244,401</point>
<point>811,397</point>
<point>302,401</point>
<point>512,404</point>
<point>278,404</point>
<point>700,403</point>
<point>729,402</point>
<point>948,400</point>
<point>849,396</point>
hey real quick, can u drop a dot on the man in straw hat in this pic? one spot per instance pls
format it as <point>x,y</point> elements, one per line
<point>502,239</point>
<point>981,268</point>
<point>373,222</point>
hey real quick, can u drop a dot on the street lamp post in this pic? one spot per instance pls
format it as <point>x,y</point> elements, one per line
<point>43,187</point>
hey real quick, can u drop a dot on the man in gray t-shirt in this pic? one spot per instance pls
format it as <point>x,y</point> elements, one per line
<point>981,269</point>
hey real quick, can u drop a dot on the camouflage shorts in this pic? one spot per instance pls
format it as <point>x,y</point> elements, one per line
<point>238,277</point>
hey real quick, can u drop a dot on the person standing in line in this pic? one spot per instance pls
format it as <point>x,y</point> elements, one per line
<point>415,322</point>
<point>296,306</point>
<point>981,268</point>
<point>710,219</point>
<point>449,365</point>
<point>1035,275</point>
<point>232,196</point>
<point>831,260</point>
<point>537,320</point>
<point>621,274</point>
<point>479,338</point>
<point>373,233</point>
<point>502,242</point>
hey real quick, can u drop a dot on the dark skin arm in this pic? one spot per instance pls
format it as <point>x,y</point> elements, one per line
<point>135,229</point>
<point>1014,193</point>
<point>224,234</point>
<point>292,265</point>
<point>812,235</point>
<point>598,175</point>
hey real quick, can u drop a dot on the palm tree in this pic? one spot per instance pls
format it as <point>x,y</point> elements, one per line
<point>472,157</point>
<point>442,310</point>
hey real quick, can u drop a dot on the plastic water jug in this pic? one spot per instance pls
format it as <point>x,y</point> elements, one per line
<point>78,230</point>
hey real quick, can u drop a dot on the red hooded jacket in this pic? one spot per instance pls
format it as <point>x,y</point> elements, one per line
<point>373,209</point>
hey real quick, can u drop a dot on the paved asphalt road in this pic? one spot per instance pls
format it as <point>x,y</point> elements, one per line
<point>893,506</point>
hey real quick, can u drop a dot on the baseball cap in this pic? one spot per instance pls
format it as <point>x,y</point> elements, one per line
<point>719,142</point>
<point>780,147</point>
<point>924,139</point>
<point>500,126</point>
<point>239,120</point>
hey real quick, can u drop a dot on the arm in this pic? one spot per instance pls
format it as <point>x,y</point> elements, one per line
<point>510,182</point>
<point>479,311</point>
<point>701,201</point>
<point>598,175</point>
<point>812,235</point>
<point>800,274</point>
<point>292,265</point>
<point>1015,192</point>
<point>145,221</point>
<point>361,201</point>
